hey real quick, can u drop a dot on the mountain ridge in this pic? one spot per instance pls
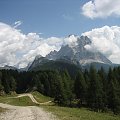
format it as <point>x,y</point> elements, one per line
<point>79,53</point>
<point>74,53</point>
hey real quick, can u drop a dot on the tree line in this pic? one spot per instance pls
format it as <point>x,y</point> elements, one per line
<point>97,90</point>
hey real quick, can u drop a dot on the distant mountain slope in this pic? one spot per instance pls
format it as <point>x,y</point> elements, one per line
<point>6,67</point>
<point>71,55</point>
<point>57,65</point>
<point>99,65</point>
<point>39,60</point>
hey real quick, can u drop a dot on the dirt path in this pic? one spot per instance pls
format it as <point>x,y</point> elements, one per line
<point>26,113</point>
<point>32,98</point>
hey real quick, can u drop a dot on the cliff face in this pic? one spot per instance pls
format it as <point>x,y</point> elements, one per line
<point>77,52</point>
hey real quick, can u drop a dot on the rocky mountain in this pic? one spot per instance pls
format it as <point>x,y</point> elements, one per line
<point>78,54</point>
<point>69,55</point>
<point>74,53</point>
<point>39,60</point>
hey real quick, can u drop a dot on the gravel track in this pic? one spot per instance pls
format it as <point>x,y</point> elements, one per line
<point>25,113</point>
<point>32,98</point>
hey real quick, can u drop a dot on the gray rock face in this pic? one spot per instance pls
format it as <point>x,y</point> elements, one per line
<point>39,60</point>
<point>52,55</point>
<point>77,53</point>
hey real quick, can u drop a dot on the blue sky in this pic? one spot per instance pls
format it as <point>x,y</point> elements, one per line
<point>51,17</point>
<point>22,20</point>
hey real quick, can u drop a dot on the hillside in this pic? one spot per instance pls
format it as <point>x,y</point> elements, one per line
<point>59,65</point>
<point>51,109</point>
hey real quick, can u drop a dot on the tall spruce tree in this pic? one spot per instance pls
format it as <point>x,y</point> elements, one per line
<point>86,76</point>
<point>67,87</point>
<point>113,92</point>
<point>12,84</point>
<point>95,93</point>
<point>80,87</point>
<point>1,86</point>
<point>103,78</point>
<point>59,96</point>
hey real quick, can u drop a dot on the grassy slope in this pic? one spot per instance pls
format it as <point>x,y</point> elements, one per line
<point>23,101</point>
<point>64,113</point>
<point>41,98</point>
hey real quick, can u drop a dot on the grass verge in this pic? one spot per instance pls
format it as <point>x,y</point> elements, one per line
<point>64,113</point>
<point>22,101</point>
<point>41,98</point>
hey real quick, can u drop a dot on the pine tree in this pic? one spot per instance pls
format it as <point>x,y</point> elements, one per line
<point>67,88</point>
<point>6,85</point>
<point>47,87</point>
<point>103,78</point>
<point>95,93</point>
<point>1,86</point>
<point>80,87</point>
<point>113,93</point>
<point>40,87</point>
<point>59,96</point>
<point>12,84</point>
<point>86,76</point>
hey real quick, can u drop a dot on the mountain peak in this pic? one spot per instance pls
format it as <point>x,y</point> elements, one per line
<point>84,40</point>
<point>77,52</point>
<point>72,35</point>
<point>38,57</point>
<point>51,55</point>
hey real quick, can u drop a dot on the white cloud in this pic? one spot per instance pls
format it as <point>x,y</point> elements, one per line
<point>101,8</point>
<point>107,41</point>
<point>17,24</point>
<point>18,49</point>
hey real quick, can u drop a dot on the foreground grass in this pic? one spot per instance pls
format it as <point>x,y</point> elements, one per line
<point>41,98</point>
<point>22,101</point>
<point>64,113</point>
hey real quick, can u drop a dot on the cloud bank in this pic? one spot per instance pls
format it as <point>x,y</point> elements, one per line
<point>18,49</point>
<point>101,8</point>
<point>107,41</point>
